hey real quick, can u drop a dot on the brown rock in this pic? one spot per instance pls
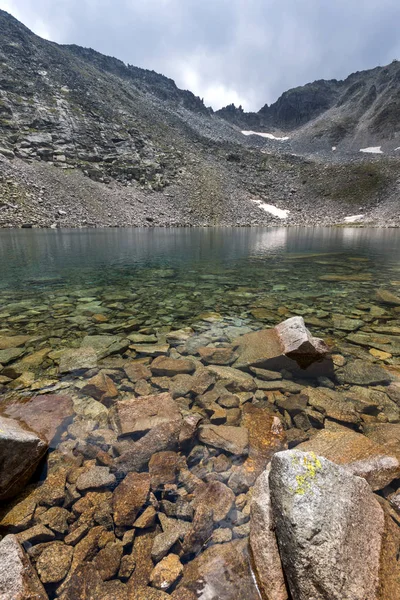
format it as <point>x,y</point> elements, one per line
<point>266,434</point>
<point>217,356</point>
<point>129,497</point>
<point>233,379</point>
<point>386,435</point>
<point>222,571</point>
<point>136,371</point>
<point>168,367</point>
<point>163,468</point>
<point>202,380</point>
<point>18,580</point>
<point>14,341</point>
<point>95,478</point>
<point>148,593</point>
<point>108,560</point>
<point>146,519</point>
<point>200,530</point>
<point>141,414</point>
<point>135,455</point>
<point>332,403</point>
<point>47,415</point>
<point>54,562</point>
<point>102,388</point>
<point>141,553</point>
<point>173,530</point>
<point>362,456</point>
<point>232,439</point>
<point>387,297</point>
<point>20,454</point>
<point>167,572</point>
<point>216,496</point>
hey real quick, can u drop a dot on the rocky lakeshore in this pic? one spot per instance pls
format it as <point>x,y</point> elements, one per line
<point>138,466</point>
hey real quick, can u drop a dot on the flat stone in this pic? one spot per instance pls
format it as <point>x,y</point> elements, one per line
<point>386,435</point>
<point>47,415</point>
<point>135,455</point>
<point>234,380</point>
<point>346,323</point>
<point>332,403</point>
<point>108,560</point>
<point>217,497</point>
<point>14,341</point>
<point>358,453</point>
<point>282,385</point>
<point>20,454</point>
<point>387,297</point>
<point>151,349</point>
<point>200,530</point>
<point>164,541</point>
<point>18,579</point>
<point>10,354</point>
<point>265,374</point>
<point>141,414</point>
<point>146,519</point>
<point>101,387</point>
<point>105,345</point>
<point>129,497</point>
<point>137,371</point>
<point>166,572</point>
<point>77,359</point>
<point>35,535</point>
<point>163,366</point>
<point>95,478</point>
<point>266,435</point>
<point>163,468</point>
<point>222,571</point>
<point>54,562</point>
<point>359,372</point>
<point>232,439</point>
<point>217,356</point>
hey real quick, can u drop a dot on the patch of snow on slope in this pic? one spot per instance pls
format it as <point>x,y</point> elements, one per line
<point>273,210</point>
<point>353,218</point>
<point>397,149</point>
<point>269,136</point>
<point>372,150</point>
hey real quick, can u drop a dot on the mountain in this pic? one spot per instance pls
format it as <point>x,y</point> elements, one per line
<point>86,140</point>
<point>363,110</point>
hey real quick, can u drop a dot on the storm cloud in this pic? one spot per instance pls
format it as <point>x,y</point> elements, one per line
<point>242,51</point>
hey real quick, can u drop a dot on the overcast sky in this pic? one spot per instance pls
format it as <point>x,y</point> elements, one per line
<point>242,51</point>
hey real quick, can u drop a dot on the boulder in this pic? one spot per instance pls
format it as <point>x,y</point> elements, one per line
<point>20,454</point>
<point>216,496</point>
<point>358,453</point>
<point>101,388</point>
<point>139,415</point>
<point>325,518</point>
<point>77,359</point>
<point>18,580</point>
<point>47,415</point>
<point>287,345</point>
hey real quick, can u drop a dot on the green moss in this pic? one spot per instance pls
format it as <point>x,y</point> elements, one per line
<point>305,481</point>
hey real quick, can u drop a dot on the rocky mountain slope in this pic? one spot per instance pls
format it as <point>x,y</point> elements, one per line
<point>86,140</point>
<point>363,110</point>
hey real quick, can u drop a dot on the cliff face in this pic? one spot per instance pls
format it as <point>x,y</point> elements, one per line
<point>362,109</point>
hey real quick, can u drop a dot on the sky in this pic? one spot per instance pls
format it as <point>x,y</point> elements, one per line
<point>243,51</point>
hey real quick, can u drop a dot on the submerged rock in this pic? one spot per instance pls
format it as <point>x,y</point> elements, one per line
<point>20,453</point>
<point>141,414</point>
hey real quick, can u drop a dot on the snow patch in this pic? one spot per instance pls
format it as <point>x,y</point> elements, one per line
<point>353,218</point>
<point>269,136</point>
<point>273,210</point>
<point>333,148</point>
<point>397,149</point>
<point>372,150</point>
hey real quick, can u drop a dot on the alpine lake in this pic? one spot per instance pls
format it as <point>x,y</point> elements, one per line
<point>118,346</point>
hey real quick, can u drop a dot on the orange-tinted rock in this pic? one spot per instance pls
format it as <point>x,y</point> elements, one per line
<point>163,468</point>
<point>129,497</point>
<point>138,415</point>
<point>266,434</point>
<point>101,387</point>
<point>166,572</point>
<point>168,367</point>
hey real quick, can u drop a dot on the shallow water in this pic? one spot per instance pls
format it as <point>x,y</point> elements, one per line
<point>57,287</point>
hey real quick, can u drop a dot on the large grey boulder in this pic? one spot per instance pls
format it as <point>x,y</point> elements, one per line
<point>20,453</point>
<point>18,580</point>
<point>334,538</point>
<point>288,345</point>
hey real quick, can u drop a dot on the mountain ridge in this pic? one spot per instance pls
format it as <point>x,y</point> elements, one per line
<point>86,140</point>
